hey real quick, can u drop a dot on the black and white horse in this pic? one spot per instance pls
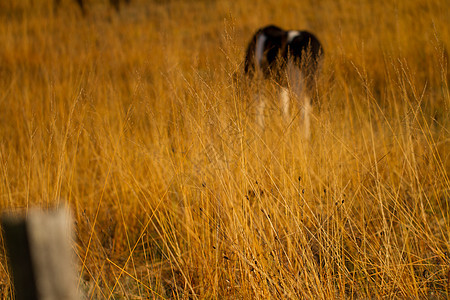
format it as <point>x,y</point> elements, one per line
<point>291,59</point>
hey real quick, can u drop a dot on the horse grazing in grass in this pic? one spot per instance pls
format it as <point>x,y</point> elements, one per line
<point>289,58</point>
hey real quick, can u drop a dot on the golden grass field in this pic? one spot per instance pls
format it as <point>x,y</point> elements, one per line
<point>142,122</point>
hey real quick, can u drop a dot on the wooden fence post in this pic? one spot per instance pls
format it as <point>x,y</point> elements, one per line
<point>40,253</point>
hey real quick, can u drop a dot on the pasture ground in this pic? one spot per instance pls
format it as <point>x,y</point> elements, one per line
<point>142,122</point>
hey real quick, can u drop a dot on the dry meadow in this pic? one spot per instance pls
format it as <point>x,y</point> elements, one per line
<point>143,123</point>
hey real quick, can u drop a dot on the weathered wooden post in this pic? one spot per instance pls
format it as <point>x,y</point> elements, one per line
<point>41,257</point>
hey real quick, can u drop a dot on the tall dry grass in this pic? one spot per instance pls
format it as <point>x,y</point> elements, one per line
<point>141,122</point>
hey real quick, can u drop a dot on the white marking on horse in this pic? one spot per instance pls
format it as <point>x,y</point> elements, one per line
<point>259,51</point>
<point>292,34</point>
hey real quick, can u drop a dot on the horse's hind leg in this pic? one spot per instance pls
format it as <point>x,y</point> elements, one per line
<point>260,107</point>
<point>296,82</point>
<point>306,112</point>
<point>285,99</point>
